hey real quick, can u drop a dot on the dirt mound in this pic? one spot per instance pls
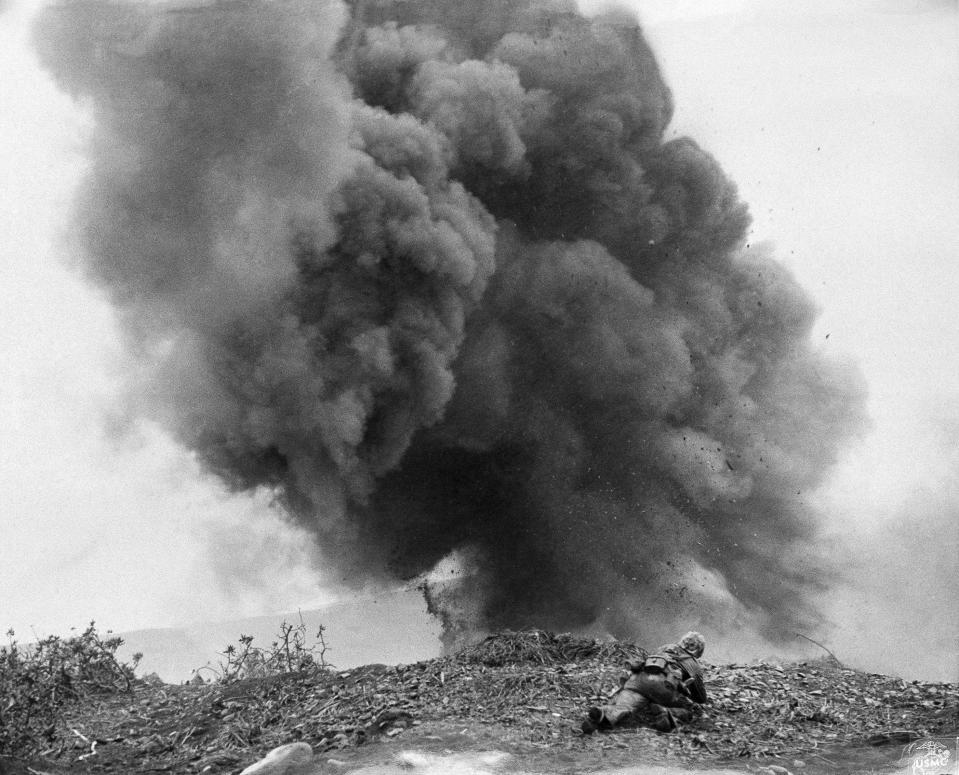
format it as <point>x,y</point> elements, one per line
<point>520,692</point>
<point>539,647</point>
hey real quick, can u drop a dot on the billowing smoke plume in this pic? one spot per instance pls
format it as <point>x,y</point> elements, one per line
<point>431,272</point>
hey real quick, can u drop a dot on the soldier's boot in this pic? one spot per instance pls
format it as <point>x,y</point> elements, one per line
<point>593,721</point>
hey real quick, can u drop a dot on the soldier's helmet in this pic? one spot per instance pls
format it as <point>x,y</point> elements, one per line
<point>694,643</point>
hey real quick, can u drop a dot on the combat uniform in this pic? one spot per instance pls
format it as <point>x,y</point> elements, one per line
<point>661,692</point>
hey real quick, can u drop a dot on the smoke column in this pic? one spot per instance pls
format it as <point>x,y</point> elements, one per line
<point>431,273</point>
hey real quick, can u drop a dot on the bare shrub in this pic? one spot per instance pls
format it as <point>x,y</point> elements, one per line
<point>291,652</point>
<point>38,679</point>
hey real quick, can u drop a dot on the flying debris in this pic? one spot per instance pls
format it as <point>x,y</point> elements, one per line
<point>432,274</point>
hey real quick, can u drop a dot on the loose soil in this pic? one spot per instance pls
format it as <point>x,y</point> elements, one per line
<point>523,693</point>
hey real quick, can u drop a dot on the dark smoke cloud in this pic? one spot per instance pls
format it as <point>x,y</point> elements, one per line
<point>431,273</point>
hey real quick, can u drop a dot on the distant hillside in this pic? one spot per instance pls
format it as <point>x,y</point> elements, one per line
<point>392,628</point>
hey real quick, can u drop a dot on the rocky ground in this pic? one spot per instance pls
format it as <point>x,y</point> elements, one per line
<point>520,692</point>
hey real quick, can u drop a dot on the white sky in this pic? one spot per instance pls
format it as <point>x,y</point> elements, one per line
<point>838,121</point>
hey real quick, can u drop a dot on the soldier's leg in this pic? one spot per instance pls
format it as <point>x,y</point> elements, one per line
<point>625,703</point>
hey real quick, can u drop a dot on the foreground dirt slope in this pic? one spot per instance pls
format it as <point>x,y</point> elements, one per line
<point>525,692</point>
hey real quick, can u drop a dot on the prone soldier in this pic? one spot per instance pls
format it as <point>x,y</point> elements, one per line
<point>663,690</point>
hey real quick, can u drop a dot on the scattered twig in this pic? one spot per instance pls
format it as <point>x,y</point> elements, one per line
<point>806,637</point>
<point>93,751</point>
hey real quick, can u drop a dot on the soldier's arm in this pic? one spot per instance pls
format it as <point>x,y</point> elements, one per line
<point>696,689</point>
